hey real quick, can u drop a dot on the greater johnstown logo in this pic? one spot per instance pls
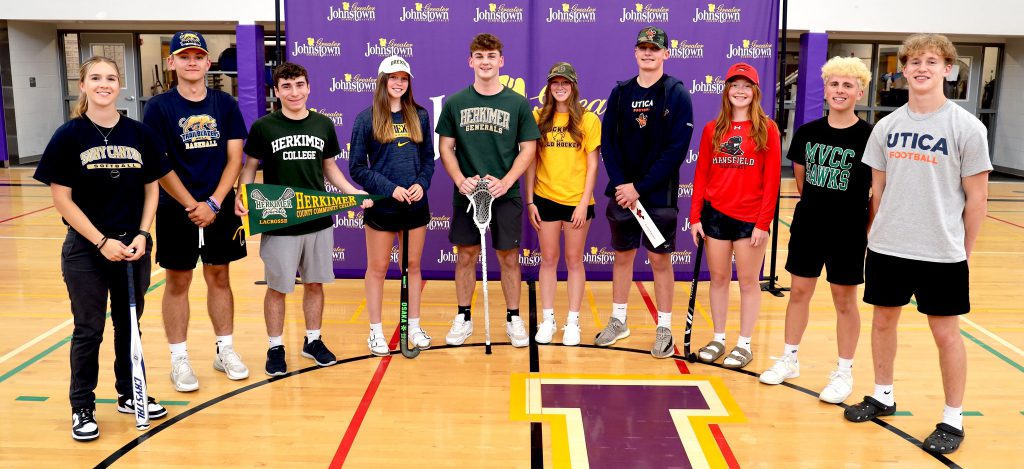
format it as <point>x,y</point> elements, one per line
<point>599,256</point>
<point>199,131</point>
<point>349,219</point>
<point>388,47</point>
<point>425,13</point>
<point>691,156</point>
<point>572,14</point>
<point>345,154</point>
<point>641,13</point>
<point>439,223</point>
<point>530,258</point>
<point>685,49</point>
<point>709,85</point>
<point>685,190</point>
<point>336,117</point>
<point>272,208</point>
<point>352,12</point>
<point>678,257</point>
<point>717,14</point>
<point>349,83</point>
<point>749,49</point>
<point>499,13</point>
<point>338,254</point>
<point>316,48</point>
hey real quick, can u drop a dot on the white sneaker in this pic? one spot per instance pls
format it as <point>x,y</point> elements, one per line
<point>378,346</point>
<point>571,334</point>
<point>784,368</point>
<point>839,387</point>
<point>420,339</point>
<point>182,375</point>
<point>460,331</point>
<point>228,361</point>
<point>516,332</point>
<point>545,331</point>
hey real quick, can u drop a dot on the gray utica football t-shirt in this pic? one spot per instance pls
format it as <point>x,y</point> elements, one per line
<point>924,157</point>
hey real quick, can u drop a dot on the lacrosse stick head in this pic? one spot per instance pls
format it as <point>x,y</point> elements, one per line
<point>480,202</point>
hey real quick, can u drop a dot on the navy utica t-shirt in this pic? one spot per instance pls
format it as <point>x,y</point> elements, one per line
<point>107,181</point>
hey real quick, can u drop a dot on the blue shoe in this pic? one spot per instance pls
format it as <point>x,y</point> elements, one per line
<point>276,366</point>
<point>318,352</point>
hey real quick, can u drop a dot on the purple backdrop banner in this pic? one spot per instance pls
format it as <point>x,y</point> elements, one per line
<point>342,43</point>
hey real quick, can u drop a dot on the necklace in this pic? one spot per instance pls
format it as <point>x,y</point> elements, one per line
<point>105,136</point>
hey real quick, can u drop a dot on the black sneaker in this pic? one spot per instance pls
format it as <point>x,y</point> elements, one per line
<point>156,411</point>
<point>276,366</point>
<point>83,424</point>
<point>318,352</point>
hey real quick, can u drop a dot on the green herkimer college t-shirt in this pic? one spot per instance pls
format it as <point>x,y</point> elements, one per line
<point>487,132</point>
<point>292,153</point>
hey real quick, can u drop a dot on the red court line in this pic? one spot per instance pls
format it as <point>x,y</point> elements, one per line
<point>1004,221</point>
<point>723,445</point>
<point>364,404</point>
<point>24,214</point>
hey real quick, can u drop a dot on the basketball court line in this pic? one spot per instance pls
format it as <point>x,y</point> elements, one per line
<point>25,214</point>
<point>60,326</point>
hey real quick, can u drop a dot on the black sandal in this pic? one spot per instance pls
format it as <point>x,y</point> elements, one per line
<point>868,409</point>
<point>944,440</point>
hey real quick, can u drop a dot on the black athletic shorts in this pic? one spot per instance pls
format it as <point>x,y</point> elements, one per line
<point>941,289</point>
<point>627,234</point>
<point>553,211</point>
<point>392,220</point>
<point>839,250</point>
<point>177,238</point>
<point>506,225</point>
<point>721,226</point>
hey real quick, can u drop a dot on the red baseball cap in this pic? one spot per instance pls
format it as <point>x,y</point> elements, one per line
<point>744,70</point>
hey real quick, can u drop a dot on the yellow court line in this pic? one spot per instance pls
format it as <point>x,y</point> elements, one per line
<point>593,308</point>
<point>994,337</point>
<point>359,310</point>
<point>50,332</point>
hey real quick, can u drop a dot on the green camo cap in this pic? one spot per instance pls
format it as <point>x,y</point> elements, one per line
<point>564,70</point>
<point>653,35</point>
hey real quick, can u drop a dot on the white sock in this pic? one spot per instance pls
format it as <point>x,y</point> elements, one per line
<point>275,341</point>
<point>743,343</point>
<point>720,337</point>
<point>846,366</point>
<point>549,314</point>
<point>791,350</point>
<point>954,417</point>
<point>574,317</point>
<point>312,334</point>
<point>224,341</point>
<point>460,317</point>
<point>178,350</point>
<point>377,329</point>
<point>414,324</point>
<point>884,394</point>
<point>665,319</point>
<point>619,311</point>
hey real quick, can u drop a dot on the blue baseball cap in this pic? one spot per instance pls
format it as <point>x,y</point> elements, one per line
<point>184,40</point>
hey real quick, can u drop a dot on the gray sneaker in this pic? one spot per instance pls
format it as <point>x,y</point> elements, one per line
<point>663,343</point>
<point>614,331</point>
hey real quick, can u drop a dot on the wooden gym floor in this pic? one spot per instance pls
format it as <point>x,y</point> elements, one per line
<point>455,407</point>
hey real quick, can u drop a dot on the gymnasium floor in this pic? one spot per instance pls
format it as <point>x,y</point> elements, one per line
<point>547,406</point>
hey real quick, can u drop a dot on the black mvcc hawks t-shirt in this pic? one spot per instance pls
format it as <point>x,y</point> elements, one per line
<point>836,181</point>
<point>107,181</point>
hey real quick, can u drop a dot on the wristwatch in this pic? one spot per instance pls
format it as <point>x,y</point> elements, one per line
<point>145,234</point>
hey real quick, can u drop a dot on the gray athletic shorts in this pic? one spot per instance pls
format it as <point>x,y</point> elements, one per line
<point>309,254</point>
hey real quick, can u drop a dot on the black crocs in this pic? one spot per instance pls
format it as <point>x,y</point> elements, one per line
<point>944,440</point>
<point>868,409</point>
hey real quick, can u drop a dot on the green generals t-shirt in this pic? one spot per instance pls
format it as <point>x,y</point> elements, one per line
<point>487,132</point>
<point>292,152</point>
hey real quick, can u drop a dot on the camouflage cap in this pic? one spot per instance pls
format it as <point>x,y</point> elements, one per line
<point>564,70</point>
<point>653,35</point>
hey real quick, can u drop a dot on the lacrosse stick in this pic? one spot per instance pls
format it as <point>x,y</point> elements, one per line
<point>480,203</point>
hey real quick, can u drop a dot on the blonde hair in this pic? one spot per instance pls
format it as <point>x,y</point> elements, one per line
<point>920,43</point>
<point>83,101</point>
<point>847,67</point>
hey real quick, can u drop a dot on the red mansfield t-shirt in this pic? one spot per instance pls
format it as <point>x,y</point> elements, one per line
<point>735,178</point>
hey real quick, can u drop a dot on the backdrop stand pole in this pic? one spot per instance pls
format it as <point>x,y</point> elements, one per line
<point>780,121</point>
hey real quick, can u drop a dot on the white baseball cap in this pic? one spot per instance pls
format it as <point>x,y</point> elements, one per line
<point>394,64</point>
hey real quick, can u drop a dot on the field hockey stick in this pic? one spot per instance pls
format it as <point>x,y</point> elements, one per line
<point>480,203</point>
<point>140,397</point>
<point>403,315</point>
<point>687,355</point>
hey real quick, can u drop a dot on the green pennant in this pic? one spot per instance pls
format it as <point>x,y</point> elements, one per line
<point>272,207</point>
